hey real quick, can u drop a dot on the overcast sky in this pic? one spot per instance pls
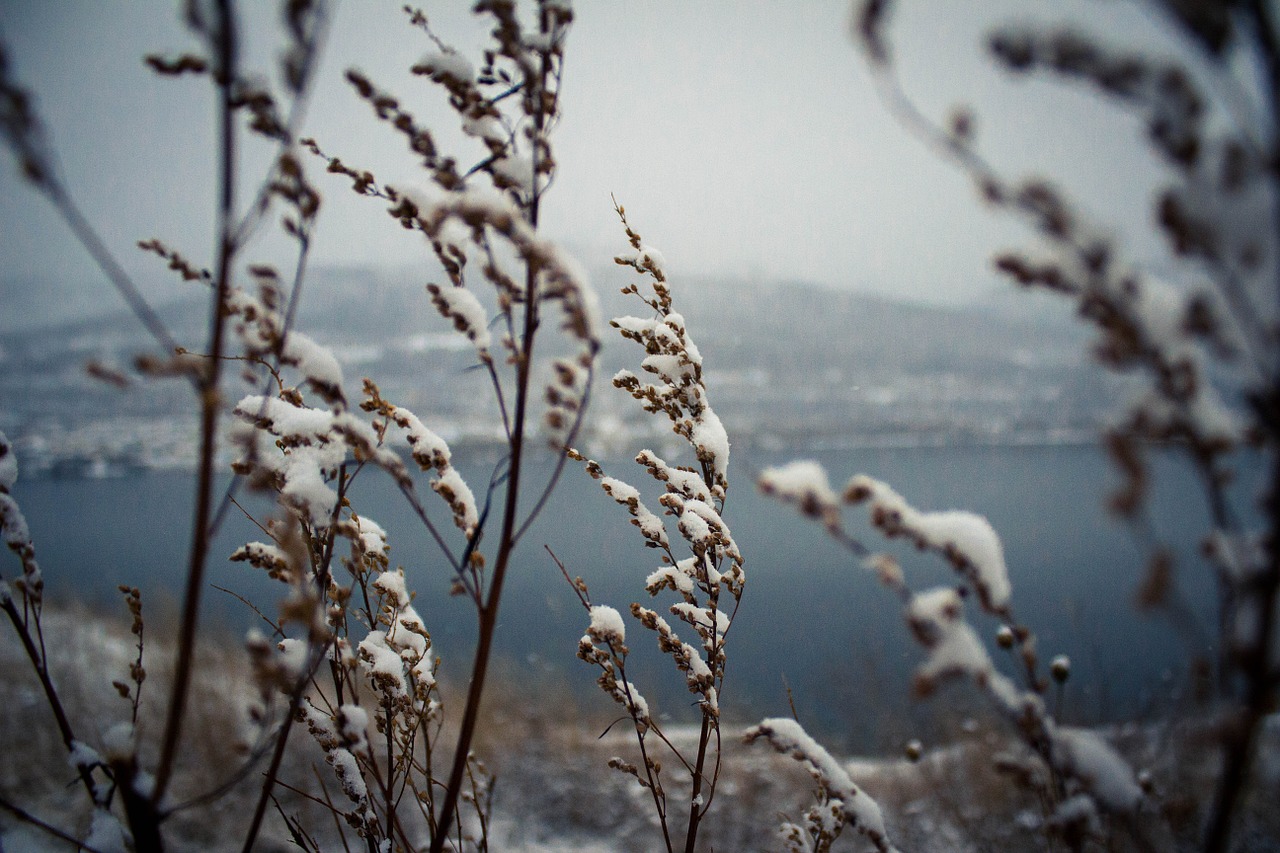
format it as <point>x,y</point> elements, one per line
<point>744,137</point>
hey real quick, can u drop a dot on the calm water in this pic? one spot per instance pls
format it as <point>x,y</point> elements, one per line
<point>811,618</point>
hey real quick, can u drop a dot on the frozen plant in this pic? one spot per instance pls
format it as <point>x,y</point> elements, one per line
<point>481,226</point>
<point>703,568</point>
<point>348,656</point>
<point>1085,776</point>
<point>708,583</point>
<point>840,801</point>
<point>1202,335</point>
<point>113,777</point>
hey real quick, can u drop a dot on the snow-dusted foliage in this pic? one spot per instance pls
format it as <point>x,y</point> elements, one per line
<point>1199,333</point>
<point>349,652</point>
<point>965,539</point>
<point>1081,763</point>
<point>840,801</point>
<point>708,582</point>
<point>17,536</point>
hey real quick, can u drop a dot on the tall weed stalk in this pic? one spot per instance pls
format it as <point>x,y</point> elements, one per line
<point>348,656</point>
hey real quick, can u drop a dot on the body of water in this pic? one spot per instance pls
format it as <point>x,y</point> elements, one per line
<point>812,620</point>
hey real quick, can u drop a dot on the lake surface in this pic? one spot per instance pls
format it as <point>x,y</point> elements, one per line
<point>812,619</point>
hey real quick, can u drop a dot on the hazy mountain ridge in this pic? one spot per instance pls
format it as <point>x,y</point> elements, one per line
<point>787,364</point>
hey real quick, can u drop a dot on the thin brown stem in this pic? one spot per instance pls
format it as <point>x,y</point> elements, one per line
<point>209,401</point>
<point>489,610</point>
<point>488,615</point>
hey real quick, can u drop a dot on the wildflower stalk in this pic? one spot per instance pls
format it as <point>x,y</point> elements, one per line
<point>488,609</point>
<point>226,40</point>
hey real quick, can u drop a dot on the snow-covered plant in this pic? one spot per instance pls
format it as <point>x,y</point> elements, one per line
<point>700,565</point>
<point>115,775</point>
<point>481,226</point>
<point>1201,336</point>
<point>1085,775</point>
<point>349,657</point>
<point>840,802</point>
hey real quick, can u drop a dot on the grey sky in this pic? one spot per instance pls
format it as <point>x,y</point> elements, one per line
<point>744,138</point>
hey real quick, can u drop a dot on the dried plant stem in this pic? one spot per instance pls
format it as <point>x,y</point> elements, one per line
<point>696,808</point>
<point>488,615</point>
<point>488,609</point>
<point>209,402</point>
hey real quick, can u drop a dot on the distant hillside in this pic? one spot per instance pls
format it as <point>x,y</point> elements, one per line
<point>787,364</point>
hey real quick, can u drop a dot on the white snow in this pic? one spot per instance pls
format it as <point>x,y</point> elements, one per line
<point>449,63</point>
<point>353,725</point>
<point>347,769</point>
<point>83,756</point>
<point>450,486</point>
<point>383,664</point>
<point>13,523</point>
<point>711,440</point>
<point>607,625</point>
<point>629,496</point>
<point>486,127</point>
<point>293,656</point>
<point>623,493</point>
<point>516,171</point>
<point>636,326</point>
<point>119,742</point>
<point>462,307</point>
<point>106,835</point>
<point>8,464</point>
<point>789,737</point>
<point>373,538</point>
<point>682,581</point>
<point>314,361</point>
<point>262,555</point>
<point>429,450</point>
<point>805,484</point>
<point>685,483</point>
<point>1084,755</point>
<point>965,538</point>
<point>954,647</point>
<point>285,419</point>
<point>702,617</point>
<point>391,585</point>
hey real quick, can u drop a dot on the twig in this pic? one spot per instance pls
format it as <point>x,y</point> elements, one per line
<point>228,47</point>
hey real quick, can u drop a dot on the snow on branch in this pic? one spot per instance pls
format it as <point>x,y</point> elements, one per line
<point>13,527</point>
<point>804,484</point>
<point>855,806</point>
<point>966,539</point>
<point>1083,755</point>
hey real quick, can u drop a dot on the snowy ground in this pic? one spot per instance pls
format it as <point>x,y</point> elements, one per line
<point>553,790</point>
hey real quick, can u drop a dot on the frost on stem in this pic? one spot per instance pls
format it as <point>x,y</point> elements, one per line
<point>967,540</point>
<point>840,801</point>
<point>673,358</point>
<point>1086,764</point>
<point>804,484</point>
<point>604,645</point>
<point>1084,756</point>
<point>708,577</point>
<point>937,620</point>
<point>16,533</point>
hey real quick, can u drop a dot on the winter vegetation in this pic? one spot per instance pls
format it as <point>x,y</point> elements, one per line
<point>337,725</point>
